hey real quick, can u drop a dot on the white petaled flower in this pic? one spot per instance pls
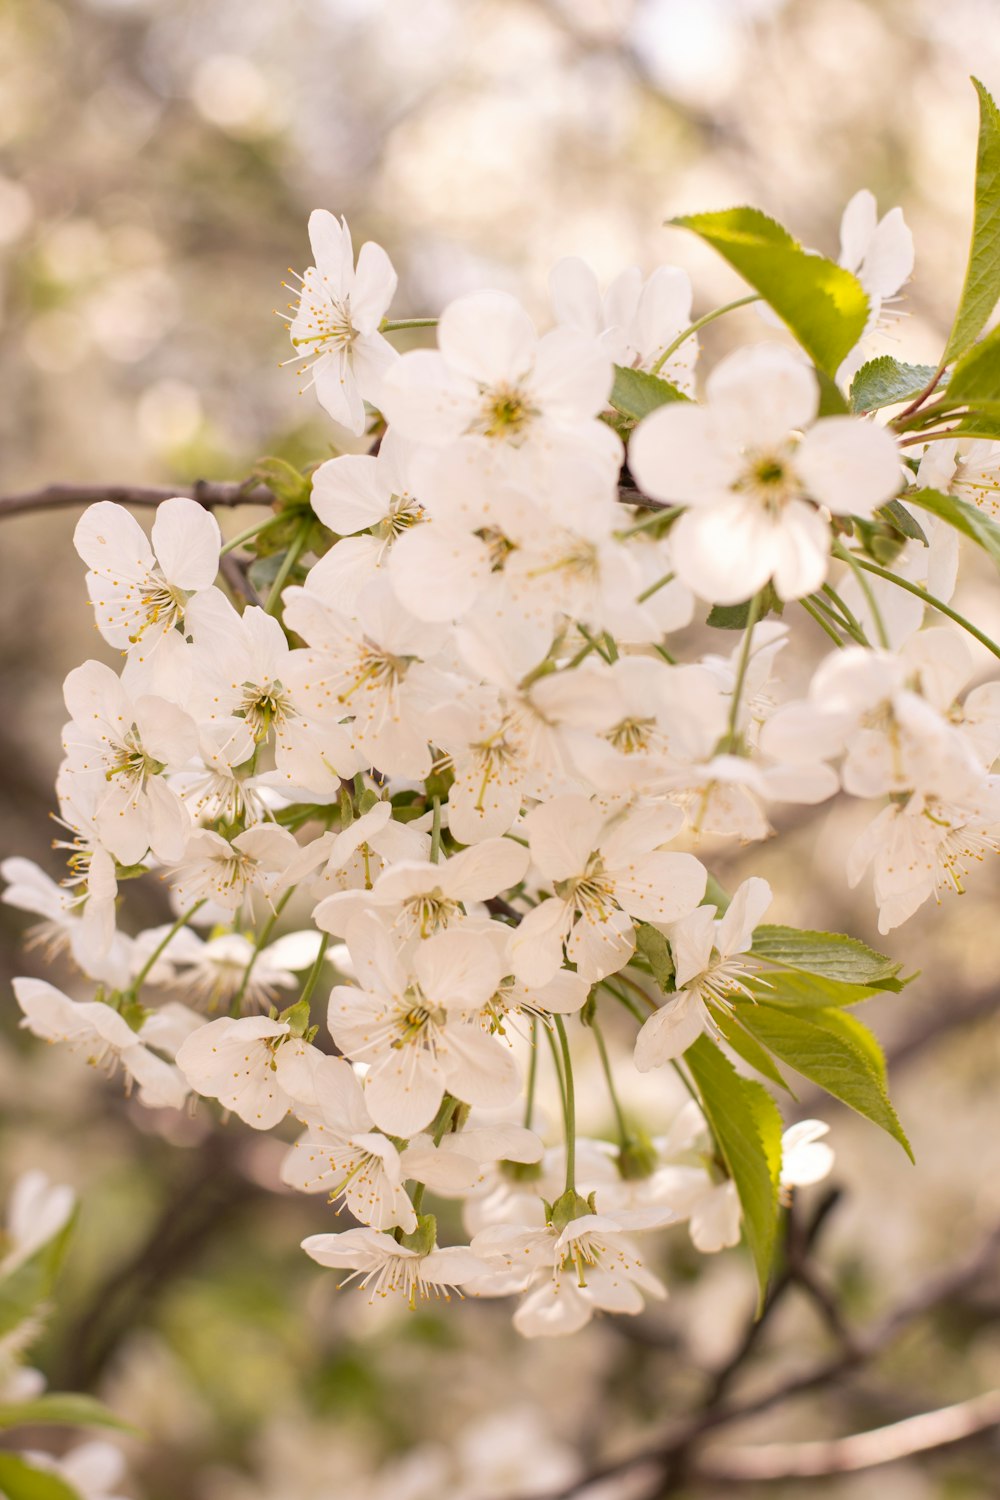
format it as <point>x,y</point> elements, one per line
<point>252,1065</point>
<point>354,858</point>
<point>37,1210</point>
<point>535,400</point>
<point>377,1262</point>
<point>343,1155</point>
<point>751,467</point>
<point>105,1037</point>
<point>335,327</point>
<point>879,252</point>
<point>709,968</point>
<point>140,592</point>
<point>805,1157</point>
<point>74,920</point>
<point>591,1265</point>
<point>636,320</point>
<point>228,872</point>
<point>370,667</point>
<point>419,897</point>
<point>410,1026</point>
<point>213,970</point>
<point>970,470</point>
<point>117,749</point>
<point>606,872</point>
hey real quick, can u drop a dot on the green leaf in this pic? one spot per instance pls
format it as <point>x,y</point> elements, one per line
<point>735,616</point>
<point>886,381</point>
<point>654,948</point>
<point>285,482</point>
<point>55,1409</point>
<point>835,1051</point>
<point>803,991</point>
<point>20,1480</point>
<point>25,1291</point>
<point>979,424</point>
<point>824,306</point>
<point>744,1045</point>
<point>636,393</point>
<point>832,954</point>
<point>966,518</point>
<point>832,402</point>
<point>982,279</point>
<point>898,515</point>
<point>975,380</point>
<point>745,1122</point>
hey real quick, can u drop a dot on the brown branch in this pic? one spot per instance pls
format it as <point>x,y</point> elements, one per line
<point>209,493</point>
<point>864,1450</point>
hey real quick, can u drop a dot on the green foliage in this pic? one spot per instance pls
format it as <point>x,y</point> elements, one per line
<point>886,381</point>
<point>975,380</point>
<point>736,616</point>
<point>835,1051</point>
<point>823,305</point>
<point>745,1046</point>
<point>831,954</point>
<point>636,393</point>
<point>832,402</point>
<point>26,1290</point>
<point>898,516</point>
<point>654,948</point>
<point>966,518</point>
<point>803,991</point>
<point>745,1122</point>
<point>982,279</point>
<point>60,1410</point>
<point>20,1480</point>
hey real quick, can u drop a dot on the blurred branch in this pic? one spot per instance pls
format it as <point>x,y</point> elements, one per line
<point>865,1450</point>
<point>675,1462</point>
<point>209,493</point>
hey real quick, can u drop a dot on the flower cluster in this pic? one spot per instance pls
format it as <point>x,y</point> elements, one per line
<point>475,737</point>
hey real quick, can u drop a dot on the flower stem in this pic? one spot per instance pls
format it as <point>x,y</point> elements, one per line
<point>810,609</point>
<point>399,324</point>
<point>312,978</point>
<point>938,604</point>
<point>866,588</point>
<point>436,831</point>
<point>569,1105</point>
<point>741,668</point>
<point>851,623</point>
<point>624,1135</point>
<point>709,317</point>
<point>251,531</point>
<point>288,562</point>
<point>529,1103</point>
<point>236,1004</point>
<point>182,921</point>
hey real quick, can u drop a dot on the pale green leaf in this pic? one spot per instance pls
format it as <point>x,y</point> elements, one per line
<point>966,518</point>
<point>62,1410</point>
<point>20,1480</point>
<point>27,1289</point>
<point>636,393</point>
<point>745,1122</point>
<point>886,381</point>
<point>823,305</point>
<point>745,1046</point>
<point>833,1050</point>
<point>654,948</point>
<point>975,380</point>
<point>799,990</point>
<point>982,279</point>
<point>832,954</point>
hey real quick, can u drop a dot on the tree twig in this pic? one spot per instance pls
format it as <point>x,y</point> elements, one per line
<point>207,492</point>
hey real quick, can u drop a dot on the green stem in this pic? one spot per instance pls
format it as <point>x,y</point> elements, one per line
<point>852,622</point>
<point>867,590</point>
<point>938,604</point>
<point>654,588</point>
<point>288,562</point>
<point>399,324</point>
<point>629,1005</point>
<point>182,921</point>
<point>591,642</point>
<point>692,328</point>
<point>436,831</point>
<point>252,531</point>
<point>656,519</point>
<point>444,1118</point>
<point>835,638</point>
<point>569,1112</point>
<point>236,1004</point>
<point>312,978</point>
<point>753,614</point>
<point>624,1134</point>
<point>557,1064</point>
<point>529,1103</point>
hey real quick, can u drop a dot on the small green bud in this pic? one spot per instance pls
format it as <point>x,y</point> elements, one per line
<point>569,1207</point>
<point>423,1237</point>
<point>637,1158</point>
<point>297,1018</point>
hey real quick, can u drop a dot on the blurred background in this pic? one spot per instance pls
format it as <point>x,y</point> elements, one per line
<point>158,161</point>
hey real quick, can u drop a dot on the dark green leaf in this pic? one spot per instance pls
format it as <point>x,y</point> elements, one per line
<point>833,1050</point>
<point>745,1122</point>
<point>975,380</point>
<point>900,517</point>
<point>982,279</point>
<point>886,381</point>
<point>20,1480</point>
<point>832,954</point>
<point>823,305</point>
<point>63,1410</point>
<point>966,518</point>
<point>832,402</point>
<point>803,991</point>
<point>636,393</point>
<point>735,616</point>
<point>979,424</point>
<point>655,949</point>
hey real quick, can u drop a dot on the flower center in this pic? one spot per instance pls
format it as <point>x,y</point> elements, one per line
<point>505,413</point>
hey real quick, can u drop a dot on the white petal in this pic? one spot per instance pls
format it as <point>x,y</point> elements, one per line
<point>669,1031</point>
<point>675,455</point>
<point>761,394</point>
<point>488,337</point>
<point>848,465</point>
<point>186,541</point>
